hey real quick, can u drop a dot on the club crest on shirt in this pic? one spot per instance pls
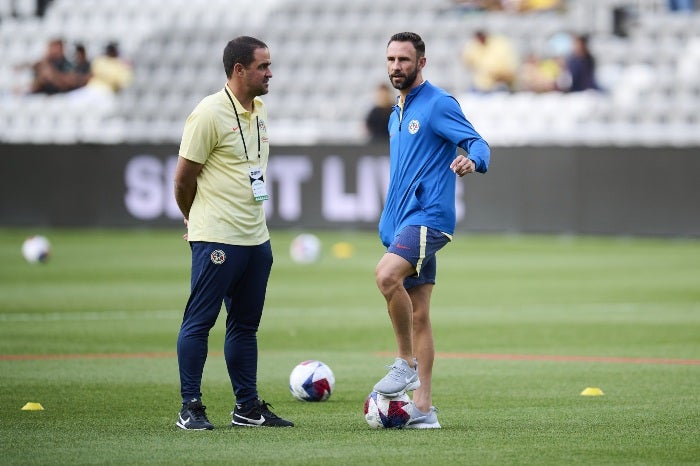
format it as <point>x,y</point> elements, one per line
<point>263,131</point>
<point>413,126</point>
<point>218,256</point>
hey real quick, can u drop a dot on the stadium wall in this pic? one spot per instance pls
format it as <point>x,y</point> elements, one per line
<point>560,190</point>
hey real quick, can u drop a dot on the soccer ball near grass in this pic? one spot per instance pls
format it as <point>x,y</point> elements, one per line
<point>305,248</point>
<point>383,412</point>
<point>311,381</point>
<point>36,249</point>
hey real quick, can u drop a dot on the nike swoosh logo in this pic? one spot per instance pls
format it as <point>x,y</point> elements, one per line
<point>258,422</point>
<point>184,422</point>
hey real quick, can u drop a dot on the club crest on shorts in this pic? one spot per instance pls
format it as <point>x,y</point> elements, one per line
<point>218,256</point>
<point>413,126</point>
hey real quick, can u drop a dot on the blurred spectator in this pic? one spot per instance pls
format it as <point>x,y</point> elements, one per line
<point>477,5</point>
<point>23,8</point>
<point>41,6</point>
<point>681,5</point>
<point>508,5</point>
<point>81,66</point>
<point>539,5</point>
<point>54,72</point>
<point>492,61</point>
<point>581,66</point>
<point>109,74</point>
<point>377,120</point>
<point>109,71</point>
<point>540,74</point>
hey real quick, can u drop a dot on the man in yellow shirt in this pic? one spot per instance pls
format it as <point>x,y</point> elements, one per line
<point>109,72</point>
<point>220,189</point>
<point>492,61</point>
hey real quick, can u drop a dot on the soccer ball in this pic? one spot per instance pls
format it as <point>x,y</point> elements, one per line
<point>383,412</point>
<point>36,249</point>
<point>305,248</point>
<point>311,381</point>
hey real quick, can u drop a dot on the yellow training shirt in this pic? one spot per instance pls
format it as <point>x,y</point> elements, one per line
<point>224,209</point>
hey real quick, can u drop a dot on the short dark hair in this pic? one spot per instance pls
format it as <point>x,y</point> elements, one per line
<point>241,50</point>
<point>411,37</point>
<point>112,49</point>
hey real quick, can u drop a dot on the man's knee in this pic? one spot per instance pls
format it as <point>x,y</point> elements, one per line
<point>388,278</point>
<point>391,272</point>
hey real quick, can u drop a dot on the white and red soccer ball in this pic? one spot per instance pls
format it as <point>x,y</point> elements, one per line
<point>305,248</point>
<point>36,249</point>
<point>383,412</point>
<point>311,380</point>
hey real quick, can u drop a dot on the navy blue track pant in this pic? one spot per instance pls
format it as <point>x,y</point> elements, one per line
<point>236,275</point>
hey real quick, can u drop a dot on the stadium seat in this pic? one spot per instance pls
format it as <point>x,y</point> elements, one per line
<point>176,55</point>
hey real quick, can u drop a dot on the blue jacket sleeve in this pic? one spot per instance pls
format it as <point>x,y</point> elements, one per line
<point>454,126</point>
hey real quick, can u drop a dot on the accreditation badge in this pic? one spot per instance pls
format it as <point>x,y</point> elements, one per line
<point>258,184</point>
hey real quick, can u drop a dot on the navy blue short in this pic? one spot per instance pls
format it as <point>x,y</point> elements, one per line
<point>418,245</point>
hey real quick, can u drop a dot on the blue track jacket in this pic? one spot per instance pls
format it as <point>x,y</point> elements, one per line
<point>423,145</point>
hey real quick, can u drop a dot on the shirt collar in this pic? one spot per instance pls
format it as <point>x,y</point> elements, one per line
<point>239,108</point>
<point>412,94</point>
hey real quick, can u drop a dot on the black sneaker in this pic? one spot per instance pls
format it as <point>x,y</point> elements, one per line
<point>193,416</point>
<point>258,415</point>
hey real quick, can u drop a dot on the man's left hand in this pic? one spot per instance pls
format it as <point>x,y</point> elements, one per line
<point>462,165</point>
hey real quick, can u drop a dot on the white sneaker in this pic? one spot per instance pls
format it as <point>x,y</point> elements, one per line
<point>420,420</point>
<point>401,378</point>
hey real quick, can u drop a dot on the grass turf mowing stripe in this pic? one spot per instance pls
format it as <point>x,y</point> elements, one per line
<point>50,357</point>
<point>484,356</point>
<point>555,358</point>
<point>88,316</point>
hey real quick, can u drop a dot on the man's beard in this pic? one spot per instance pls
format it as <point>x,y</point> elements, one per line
<point>407,82</point>
<point>263,89</point>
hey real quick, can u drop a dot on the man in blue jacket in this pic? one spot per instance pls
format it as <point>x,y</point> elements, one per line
<point>425,128</point>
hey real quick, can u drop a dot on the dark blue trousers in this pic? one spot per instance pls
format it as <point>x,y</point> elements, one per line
<point>236,276</point>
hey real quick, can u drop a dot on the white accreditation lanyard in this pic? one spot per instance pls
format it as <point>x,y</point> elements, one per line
<point>257,182</point>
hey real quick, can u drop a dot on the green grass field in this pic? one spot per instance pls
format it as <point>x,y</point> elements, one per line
<point>523,324</point>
